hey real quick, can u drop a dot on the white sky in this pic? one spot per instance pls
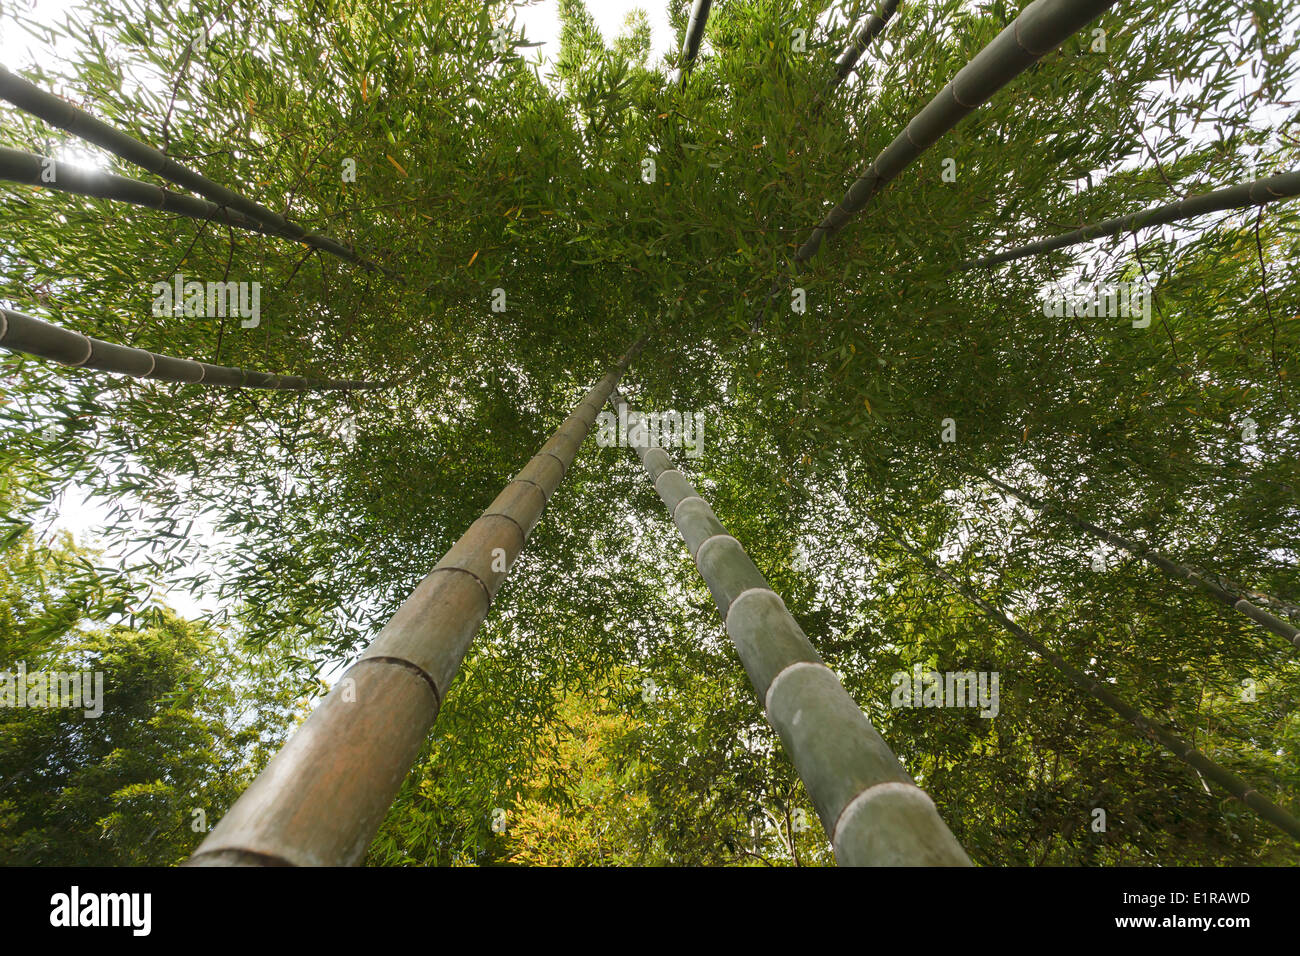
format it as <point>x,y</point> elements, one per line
<point>541,22</point>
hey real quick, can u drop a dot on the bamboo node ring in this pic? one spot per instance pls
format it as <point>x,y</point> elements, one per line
<point>797,665</point>
<point>870,793</point>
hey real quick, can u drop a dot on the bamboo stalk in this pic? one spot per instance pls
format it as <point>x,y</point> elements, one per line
<point>32,336</point>
<point>1172,742</point>
<point>872,811</point>
<point>322,797</point>
<point>860,39</point>
<point>63,115</point>
<point>1040,28</point>
<point>1173,569</point>
<point>1262,598</point>
<point>1269,189</point>
<point>30,169</point>
<point>694,35</point>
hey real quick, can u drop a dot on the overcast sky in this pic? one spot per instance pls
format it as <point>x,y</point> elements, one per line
<point>541,21</point>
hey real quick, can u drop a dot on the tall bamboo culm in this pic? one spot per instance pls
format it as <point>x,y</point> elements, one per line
<point>63,115</point>
<point>1173,569</point>
<point>872,811</point>
<point>1265,808</point>
<point>31,169</point>
<point>1258,193</point>
<point>322,797</point>
<point>1040,28</point>
<point>32,336</point>
<point>694,35</point>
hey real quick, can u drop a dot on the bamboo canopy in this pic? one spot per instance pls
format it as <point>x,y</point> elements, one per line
<point>1180,748</point>
<point>322,797</point>
<point>1043,25</point>
<point>325,794</point>
<point>63,115</point>
<point>32,336</point>
<point>1261,192</point>
<point>1173,569</point>
<point>30,169</point>
<point>1040,28</point>
<point>860,39</point>
<point>872,811</point>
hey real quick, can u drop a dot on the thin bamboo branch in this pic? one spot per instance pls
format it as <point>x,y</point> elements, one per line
<point>322,797</point>
<point>1174,744</point>
<point>1258,193</point>
<point>32,336</point>
<point>1171,568</point>
<point>872,811</point>
<point>63,115</point>
<point>1040,28</point>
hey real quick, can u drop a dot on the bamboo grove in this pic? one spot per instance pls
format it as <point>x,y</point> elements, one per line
<point>835,231</point>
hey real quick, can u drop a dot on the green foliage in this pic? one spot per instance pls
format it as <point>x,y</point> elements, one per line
<point>183,728</point>
<point>477,170</point>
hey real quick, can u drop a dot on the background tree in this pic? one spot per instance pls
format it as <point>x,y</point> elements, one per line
<point>186,721</point>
